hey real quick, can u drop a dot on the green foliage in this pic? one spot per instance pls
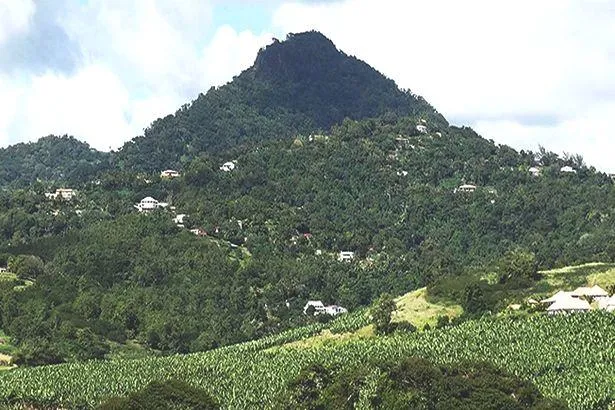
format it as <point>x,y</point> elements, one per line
<point>414,383</point>
<point>60,159</point>
<point>518,264</point>
<point>166,395</point>
<point>381,312</point>
<point>26,266</point>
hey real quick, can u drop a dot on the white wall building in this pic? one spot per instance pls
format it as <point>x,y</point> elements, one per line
<point>148,204</point>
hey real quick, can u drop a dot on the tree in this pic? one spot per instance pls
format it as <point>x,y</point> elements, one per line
<point>517,264</point>
<point>474,301</point>
<point>381,314</point>
<point>26,266</point>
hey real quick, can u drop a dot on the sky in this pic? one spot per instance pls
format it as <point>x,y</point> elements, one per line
<point>524,73</point>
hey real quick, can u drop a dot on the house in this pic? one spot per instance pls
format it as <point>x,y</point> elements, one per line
<point>568,170</point>
<point>439,134</point>
<point>421,128</point>
<point>61,193</point>
<point>169,173</point>
<point>595,292</point>
<point>3,269</point>
<point>199,231</point>
<point>561,295</point>
<point>607,304</point>
<point>345,256</point>
<point>334,310</point>
<point>466,188</point>
<point>148,204</point>
<point>228,166</point>
<point>179,220</point>
<point>316,304</point>
<point>568,304</point>
<point>534,171</point>
<point>402,173</point>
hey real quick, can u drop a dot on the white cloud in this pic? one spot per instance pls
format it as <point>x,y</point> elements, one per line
<point>499,66</point>
<point>141,60</point>
<point>229,53</point>
<point>15,16</point>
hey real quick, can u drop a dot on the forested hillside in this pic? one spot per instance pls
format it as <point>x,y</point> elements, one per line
<point>90,276</point>
<point>300,85</point>
<point>62,159</point>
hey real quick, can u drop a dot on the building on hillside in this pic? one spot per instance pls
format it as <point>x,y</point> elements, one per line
<point>593,293</point>
<point>169,173</point>
<point>569,304</point>
<point>179,220</point>
<point>3,269</point>
<point>568,170</point>
<point>199,231</point>
<point>421,128</point>
<point>345,256</point>
<point>561,295</point>
<point>149,204</point>
<point>534,171</point>
<point>607,304</point>
<point>334,310</point>
<point>466,188</point>
<point>316,304</point>
<point>228,166</point>
<point>65,194</point>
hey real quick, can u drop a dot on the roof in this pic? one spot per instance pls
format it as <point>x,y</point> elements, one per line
<point>148,199</point>
<point>467,186</point>
<point>558,296</point>
<point>569,303</point>
<point>594,291</point>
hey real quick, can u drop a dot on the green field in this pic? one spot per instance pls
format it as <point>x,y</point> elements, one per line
<point>568,357</point>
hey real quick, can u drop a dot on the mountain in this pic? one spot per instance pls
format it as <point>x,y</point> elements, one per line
<point>298,86</point>
<point>57,159</point>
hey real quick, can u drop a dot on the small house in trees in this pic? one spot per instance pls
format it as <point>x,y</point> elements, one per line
<point>421,128</point>
<point>228,166</point>
<point>148,204</point>
<point>466,188</point>
<point>568,170</point>
<point>169,173</point>
<point>65,194</point>
<point>534,171</point>
<point>345,256</point>
<point>199,231</point>
<point>3,269</point>
<point>334,310</point>
<point>316,304</point>
<point>179,220</point>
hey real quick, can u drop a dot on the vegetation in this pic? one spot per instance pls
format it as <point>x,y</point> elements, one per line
<point>414,383</point>
<point>566,357</point>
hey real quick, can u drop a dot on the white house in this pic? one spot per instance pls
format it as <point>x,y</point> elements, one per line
<point>61,193</point>
<point>568,170</point>
<point>3,269</point>
<point>595,292</point>
<point>199,231</point>
<point>316,304</point>
<point>402,173</point>
<point>466,188</point>
<point>148,204</point>
<point>334,310</point>
<point>228,166</point>
<point>535,171</point>
<point>179,220</point>
<point>169,173</point>
<point>345,256</point>
<point>561,295</point>
<point>568,304</point>
<point>421,128</point>
<point>607,304</point>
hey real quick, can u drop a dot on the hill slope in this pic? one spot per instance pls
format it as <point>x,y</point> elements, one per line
<point>52,158</point>
<point>300,85</point>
